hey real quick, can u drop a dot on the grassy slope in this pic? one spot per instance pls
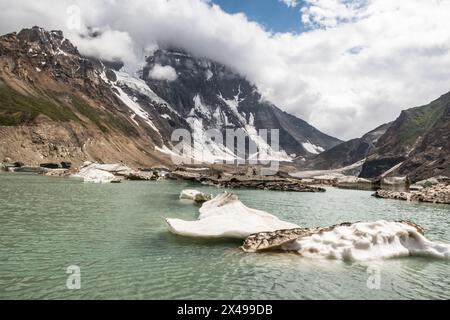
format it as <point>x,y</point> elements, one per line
<point>17,109</point>
<point>419,120</point>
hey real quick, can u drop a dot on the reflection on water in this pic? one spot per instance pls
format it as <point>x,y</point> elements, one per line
<point>117,235</point>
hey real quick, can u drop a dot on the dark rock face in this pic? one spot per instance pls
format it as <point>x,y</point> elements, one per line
<point>52,41</point>
<point>50,166</point>
<point>224,100</point>
<point>375,168</point>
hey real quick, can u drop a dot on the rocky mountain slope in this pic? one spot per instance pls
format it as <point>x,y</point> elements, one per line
<point>57,105</point>
<point>416,144</point>
<point>210,95</point>
<point>346,153</point>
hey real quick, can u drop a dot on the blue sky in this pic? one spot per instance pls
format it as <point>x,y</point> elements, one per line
<point>272,14</point>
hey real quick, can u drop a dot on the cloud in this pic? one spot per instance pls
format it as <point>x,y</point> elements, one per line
<point>163,73</point>
<point>330,13</point>
<point>356,66</point>
<point>110,45</point>
<point>289,3</point>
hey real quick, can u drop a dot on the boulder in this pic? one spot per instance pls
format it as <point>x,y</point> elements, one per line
<point>141,176</point>
<point>227,217</point>
<point>395,183</point>
<point>50,166</point>
<point>195,195</point>
<point>18,164</point>
<point>350,182</point>
<point>66,165</point>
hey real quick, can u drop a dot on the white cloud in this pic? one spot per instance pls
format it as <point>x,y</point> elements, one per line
<point>110,45</point>
<point>290,3</point>
<point>163,73</point>
<point>357,65</point>
<point>330,13</point>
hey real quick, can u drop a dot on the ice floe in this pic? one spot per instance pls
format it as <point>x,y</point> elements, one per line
<point>352,242</point>
<point>227,217</point>
<point>101,173</point>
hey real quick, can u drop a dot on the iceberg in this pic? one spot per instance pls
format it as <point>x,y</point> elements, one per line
<point>226,216</point>
<point>101,173</point>
<point>352,242</point>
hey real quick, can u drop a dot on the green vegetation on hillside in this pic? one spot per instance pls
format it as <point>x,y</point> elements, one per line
<point>17,109</point>
<point>102,119</point>
<point>419,120</point>
<point>86,110</point>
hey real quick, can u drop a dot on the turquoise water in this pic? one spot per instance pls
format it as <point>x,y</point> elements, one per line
<point>116,234</point>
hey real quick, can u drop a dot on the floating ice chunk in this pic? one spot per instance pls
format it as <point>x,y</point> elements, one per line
<point>352,242</point>
<point>101,173</point>
<point>93,175</point>
<point>227,217</point>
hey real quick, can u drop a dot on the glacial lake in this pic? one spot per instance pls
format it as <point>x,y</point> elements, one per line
<point>116,235</point>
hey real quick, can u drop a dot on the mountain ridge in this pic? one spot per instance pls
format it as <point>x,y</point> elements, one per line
<point>56,104</point>
<point>415,145</point>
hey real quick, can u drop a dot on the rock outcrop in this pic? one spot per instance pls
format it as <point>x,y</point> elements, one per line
<point>439,193</point>
<point>196,196</point>
<point>234,181</point>
<point>355,183</point>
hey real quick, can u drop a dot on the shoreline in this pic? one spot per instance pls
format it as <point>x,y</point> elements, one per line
<point>433,190</point>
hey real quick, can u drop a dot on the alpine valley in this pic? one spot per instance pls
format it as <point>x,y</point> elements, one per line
<point>56,104</point>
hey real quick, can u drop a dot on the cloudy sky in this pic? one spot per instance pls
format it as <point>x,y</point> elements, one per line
<point>344,66</point>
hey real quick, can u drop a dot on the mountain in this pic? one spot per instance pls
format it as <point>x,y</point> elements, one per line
<point>346,153</point>
<point>416,144</point>
<point>56,104</point>
<point>210,95</point>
